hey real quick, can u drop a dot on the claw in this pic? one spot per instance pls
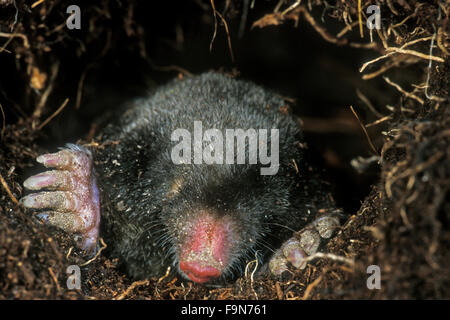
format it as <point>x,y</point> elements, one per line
<point>67,221</point>
<point>278,264</point>
<point>74,157</point>
<point>326,225</point>
<point>59,200</point>
<point>73,200</point>
<point>303,244</point>
<point>309,240</point>
<point>50,180</point>
<point>60,160</point>
<point>294,254</point>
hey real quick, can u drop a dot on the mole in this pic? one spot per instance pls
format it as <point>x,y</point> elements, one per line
<point>164,194</point>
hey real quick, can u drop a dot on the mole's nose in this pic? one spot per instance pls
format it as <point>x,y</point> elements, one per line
<point>198,273</point>
<point>205,252</point>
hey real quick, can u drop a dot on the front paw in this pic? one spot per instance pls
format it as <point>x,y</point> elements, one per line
<point>304,243</point>
<point>71,193</point>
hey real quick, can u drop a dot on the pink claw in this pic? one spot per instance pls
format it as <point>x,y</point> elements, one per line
<point>74,199</point>
<point>304,243</point>
<point>294,254</point>
<point>40,181</point>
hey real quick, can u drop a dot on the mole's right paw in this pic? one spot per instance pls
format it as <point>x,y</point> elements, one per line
<point>304,243</point>
<point>72,196</point>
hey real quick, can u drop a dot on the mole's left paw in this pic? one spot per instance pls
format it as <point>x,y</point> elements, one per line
<point>72,196</point>
<point>304,243</point>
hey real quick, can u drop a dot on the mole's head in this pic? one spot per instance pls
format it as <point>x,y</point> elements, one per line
<point>220,217</point>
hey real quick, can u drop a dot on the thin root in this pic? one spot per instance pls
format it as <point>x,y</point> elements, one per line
<point>131,288</point>
<point>408,94</point>
<point>97,254</point>
<point>8,191</point>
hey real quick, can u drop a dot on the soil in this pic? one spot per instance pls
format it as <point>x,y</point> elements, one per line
<point>397,207</point>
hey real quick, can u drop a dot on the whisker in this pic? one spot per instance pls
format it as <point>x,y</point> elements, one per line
<point>280,225</point>
<point>266,245</point>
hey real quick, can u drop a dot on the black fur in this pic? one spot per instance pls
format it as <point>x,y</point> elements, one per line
<point>140,220</point>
